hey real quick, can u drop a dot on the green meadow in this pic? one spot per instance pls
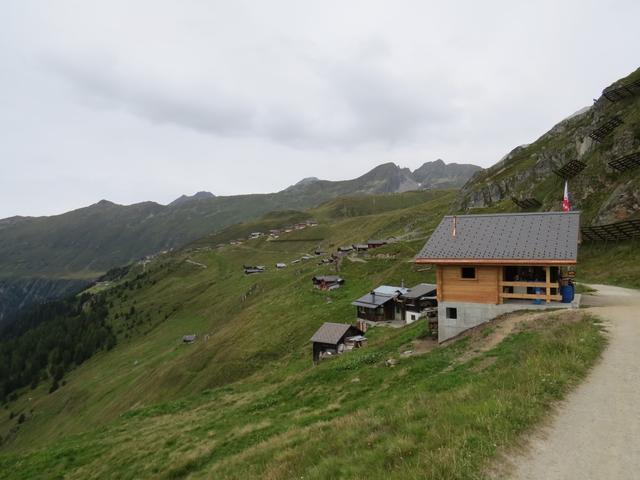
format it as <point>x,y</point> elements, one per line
<point>245,401</point>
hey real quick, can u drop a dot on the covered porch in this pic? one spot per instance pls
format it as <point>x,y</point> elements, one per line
<point>537,283</point>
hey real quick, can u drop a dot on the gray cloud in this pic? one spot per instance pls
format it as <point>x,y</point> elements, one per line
<point>364,104</point>
<point>147,100</point>
<point>212,113</point>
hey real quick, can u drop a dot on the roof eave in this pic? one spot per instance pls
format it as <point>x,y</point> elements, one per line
<point>495,261</point>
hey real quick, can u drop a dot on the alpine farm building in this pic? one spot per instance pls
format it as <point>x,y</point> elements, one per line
<point>491,264</point>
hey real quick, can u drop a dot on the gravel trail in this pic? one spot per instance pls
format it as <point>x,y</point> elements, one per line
<point>595,434</point>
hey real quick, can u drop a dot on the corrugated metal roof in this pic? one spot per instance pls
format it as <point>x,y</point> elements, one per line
<point>539,236</point>
<point>420,290</point>
<point>330,332</point>
<point>372,301</point>
<point>389,289</point>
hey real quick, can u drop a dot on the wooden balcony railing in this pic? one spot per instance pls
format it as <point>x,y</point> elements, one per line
<point>544,286</point>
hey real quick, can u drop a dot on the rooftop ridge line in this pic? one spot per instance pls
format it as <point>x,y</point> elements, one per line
<point>512,214</point>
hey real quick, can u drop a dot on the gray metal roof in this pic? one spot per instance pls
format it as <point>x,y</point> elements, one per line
<point>420,290</point>
<point>390,290</point>
<point>522,236</point>
<point>371,301</point>
<point>331,332</point>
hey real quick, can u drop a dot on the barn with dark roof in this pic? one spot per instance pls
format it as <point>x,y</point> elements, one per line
<point>485,264</point>
<point>331,337</point>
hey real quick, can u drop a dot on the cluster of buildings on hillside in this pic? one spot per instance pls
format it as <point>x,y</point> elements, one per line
<point>363,247</point>
<point>398,305</point>
<point>384,305</point>
<point>332,258</point>
<point>273,233</point>
<point>486,265</point>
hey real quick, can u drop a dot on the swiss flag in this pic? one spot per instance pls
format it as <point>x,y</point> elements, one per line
<point>565,201</point>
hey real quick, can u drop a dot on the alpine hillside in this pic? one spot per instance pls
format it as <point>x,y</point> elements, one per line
<point>47,257</point>
<point>603,194</point>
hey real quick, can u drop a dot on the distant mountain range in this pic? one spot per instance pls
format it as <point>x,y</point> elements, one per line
<point>42,257</point>
<point>390,178</point>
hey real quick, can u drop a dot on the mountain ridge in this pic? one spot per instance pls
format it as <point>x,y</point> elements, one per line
<point>599,191</point>
<point>85,242</point>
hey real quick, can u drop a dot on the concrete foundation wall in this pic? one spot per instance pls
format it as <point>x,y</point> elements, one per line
<point>470,315</point>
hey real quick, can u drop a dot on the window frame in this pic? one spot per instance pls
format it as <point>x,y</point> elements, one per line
<point>475,273</point>
<point>451,310</point>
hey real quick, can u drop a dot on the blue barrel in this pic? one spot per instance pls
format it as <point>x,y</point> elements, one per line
<point>567,293</point>
<point>537,291</point>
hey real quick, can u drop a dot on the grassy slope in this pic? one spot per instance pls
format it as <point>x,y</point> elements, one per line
<point>280,313</point>
<point>427,417</point>
<point>248,395</point>
<point>616,263</point>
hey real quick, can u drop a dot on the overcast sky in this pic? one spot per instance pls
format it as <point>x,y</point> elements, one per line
<point>146,100</point>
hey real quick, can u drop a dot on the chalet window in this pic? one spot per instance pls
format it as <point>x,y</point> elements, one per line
<point>452,313</point>
<point>468,272</point>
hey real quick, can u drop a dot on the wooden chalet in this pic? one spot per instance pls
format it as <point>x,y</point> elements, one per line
<point>376,307</point>
<point>388,303</point>
<point>331,338</point>
<point>484,262</point>
<point>418,301</point>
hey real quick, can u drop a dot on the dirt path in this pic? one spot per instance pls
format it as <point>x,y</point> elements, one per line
<point>595,434</point>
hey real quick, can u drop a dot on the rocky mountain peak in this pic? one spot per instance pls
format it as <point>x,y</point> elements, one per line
<point>307,181</point>
<point>202,195</point>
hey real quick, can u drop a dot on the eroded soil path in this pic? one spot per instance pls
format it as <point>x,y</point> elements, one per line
<point>595,433</point>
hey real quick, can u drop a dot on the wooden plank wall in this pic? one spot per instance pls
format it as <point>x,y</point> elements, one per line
<point>483,289</point>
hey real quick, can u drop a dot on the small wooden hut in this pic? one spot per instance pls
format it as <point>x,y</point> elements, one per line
<point>331,337</point>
